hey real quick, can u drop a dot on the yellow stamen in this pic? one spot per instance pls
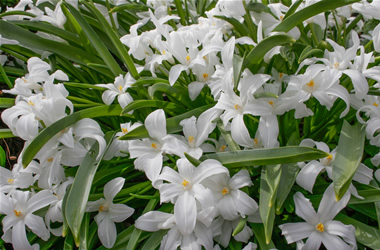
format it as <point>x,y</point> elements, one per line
<point>163,52</point>
<point>271,103</point>
<point>101,208</point>
<point>281,75</point>
<point>225,191</point>
<point>187,58</point>
<point>205,75</point>
<point>185,183</point>
<point>120,88</point>
<point>320,227</point>
<point>17,212</point>
<point>154,145</point>
<point>31,103</point>
<point>191,139</point>
<point>124,130</point>
<point>50,159</point>
<point>11,181</point>
<point>236,106</point>
<point>222,148</point>
<point>375,104</point>
<point>311,83</point>
<point>329,157</point>
<point>23,78</point>
<point>256,141</point>
<point>282,17</point>
<point>336,65</point>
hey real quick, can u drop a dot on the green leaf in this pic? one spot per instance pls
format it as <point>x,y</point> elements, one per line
<point>115,40</point>
<point>181,95</point>
<point>240,226</point>
<point>149,80</point>
<point>169,107</point>
<point>45,135</point>
<point>83,85</point>
<point>293,8</point>
<point>239,27</point>
<point>5,77</point>
<point>129,6</point>
<point>255,56</point>
<point>192,160</point>
<point>310,11</point>
<point>348,156</point>
<point>83,233</point>
<point>29,39</point>
<point>78,195</point>
<point>95,41</point>
<point>370,196</point>
<point>7,102</point>
<point>364,234</point>
<point>172,124</point>
<point>3,158</point>
<point>258,230</point>
<point>258,7</point>
<point>17,12</point>
<point>154,240</point>
<point>270,180</point>
<point>6,133</point>
<point>308,51</point>
<point>288,177</point>
<point>266,156</point>
<point>237,68</point>
<point>69,242</point>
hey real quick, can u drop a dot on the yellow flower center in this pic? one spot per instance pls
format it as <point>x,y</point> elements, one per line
<point>222,148</point>
<point>256,141</point>
<point>336,65</point>
<point>205,75</point>
<point>31,103</point>
<point>311,83</point>
<point>102,208</point>
<point>124,130</point>
<point>225,191</point>
<point>17,212</point>
<point>271,103</point>
<point>375,104</point>
<point>120,88</point>
<point>154,145</point>
<point>187,58</point>
<point>191,139</point>
<point>185,183</point>
<point>23,78</point>
<point>163,52</point>
<point>320,227</point>
<point>281,75</point>
<point>237,107</point>
<point>11,181</point>
<point>50,159</point>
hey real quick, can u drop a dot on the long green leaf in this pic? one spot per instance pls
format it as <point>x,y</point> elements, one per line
<point>154,240</point>
<point>115,40</point>
<point>239,27</point>
<point>150,80</point>
<point>349,154</point>
<point>364,234</point>
<point>45,135</point>
<point>78,195</point>
<point>29,39</point>
<point>266,156</point>
<point>255,56</point>
<point>270,180</point>
<point>310,11</point>
<point>129,6</point>
<point>181,95</point>
<point>167,106</point>
<point>370,196</point>
<point>288,177</point>
<point>7,102</point>
<point>6,133</point>
<point>172,124</point>
<point>258,229</point>
<point>95,41</point>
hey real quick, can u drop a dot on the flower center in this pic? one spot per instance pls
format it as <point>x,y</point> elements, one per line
<point>222,148</point>
<point>188,58</point>
<point>185,183</point>
<point>154,145</point>
<point>205,76</point>
<point>336,65</point>
<point>237,107</point>
<point>281,75</point>
<point>50,159</point>
<point>320,227</point>
<point>124,130</point>
<point>31,103</point>
<point>163,52</point>
<point>310,84</point>
<point>11,181</point>
<point>375,104</point>
<point>271,103</point>
<point>191,139</point>
<point>23,78</point>
<point>225,191</point>
<point>103,208</point>
<point>256,141</point>
<point>120,88</point>
<point>17,213</point>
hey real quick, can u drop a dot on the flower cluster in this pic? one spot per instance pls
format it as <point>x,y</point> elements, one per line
<point>208,124</point>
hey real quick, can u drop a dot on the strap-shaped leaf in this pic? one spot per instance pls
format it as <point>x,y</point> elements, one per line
<point>115,40</point>
<point>266,156</point>
<point>255,56</point>
<point>310,11</point>
<point>270,180</point>
<point>6,133</point>
<point>45,135</point>
<point>172,124</point>
<point>7,102</point>
<point>95,41</point>
<point>29,39</point>
<point>169,107</point>
<point>288,177</point>
<point>77,197</point>
<point>258,229</point>
<point>349,154</point>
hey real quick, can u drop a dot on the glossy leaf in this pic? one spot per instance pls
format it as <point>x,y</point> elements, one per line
<point>370,196</point>
<point>167,106</point>
<point>288,177</point>
<point>172,124</point>
<point>349,154</point>
<point>265,156</point>
<point>128,6</point>
<point>258,230</point>
<point>45,135</point>
<point>270,180</point>
<point>154,240</point>
<point>255,56</point>
<point>78,195</point>
<point>310,11</point>
<point>7,102</point>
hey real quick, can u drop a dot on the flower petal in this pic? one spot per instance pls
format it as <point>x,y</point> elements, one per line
<point>208,168</point>
<point>332,242</point>
<point>120,212</point>
<point>239,132</point>
<point>308,174</point>
<point>185,212</point>
<point>304,209</point>
<point>19,239</point>
<point>112,188</point>
<point>37,225</point>
<point>347,232</point>
<point>155,123</point>
<point>153,221</point>
<point>40,200</point>
<point>107,232</point>
<point>329,207</point>
<point>314,241</point>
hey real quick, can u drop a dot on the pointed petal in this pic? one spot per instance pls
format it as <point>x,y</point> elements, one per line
<point>107,232</point>
<point>308,174</point>
<point>347,232</point>
<point>108,96</point>
<point>208,168</point>
<point>19,239</point>
<point>174,73</point>
<point>37,225</point>
<point>296,231</point>
<point>240,179</point>
<point>314,241</point>
<point>358,80</point>
<point>194,89</point>
<point>332,242</point>
<point>329,207</point>
<point>245,204</point>
<point>112,188</point>
<point>153,221</point>
<point>239,132</point>
<point>124,99</point>
<point>155,123</point>
<point>185,212</point>
<point>120,212</point>
<point>304,209</point>
<point>40,200</point>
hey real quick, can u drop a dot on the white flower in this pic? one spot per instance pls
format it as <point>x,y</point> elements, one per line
<point>118,88</point>
<point>18,209</point>
<point>319,227</point>
<point>109,213</point>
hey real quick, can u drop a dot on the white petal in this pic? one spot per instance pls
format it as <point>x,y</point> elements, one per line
<point>245,204</point>
<point>304,209</point>
<point>314,241</point>
<point>363,175</point>
<point>333,242</point>
<point>208,168</point>
<point>155,123</point>
<point>347,232</point>
<point>120,212</point>
<point>308,174</point>
<point>152,221</point>
<point>240,179</point>
<point>170,175</point>
<point>107,232</point>
<point>37,225</point>
<point>19,240</point>
<point>194,89</point>
<point>169,192</point>
<point>185,212</point>
<point>239,132</point>
<point>296,231</point>
<point>124,99</point>
<point>227,208</point>
<point>329,207</point>
<point>40,200</point>
<point>112,188</point>
<point>108,96</point>
<point>174,73</point>
<point>358,80</point>
<point>268,129</point>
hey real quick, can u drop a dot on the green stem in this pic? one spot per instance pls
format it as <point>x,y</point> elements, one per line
<point>6,79</point>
